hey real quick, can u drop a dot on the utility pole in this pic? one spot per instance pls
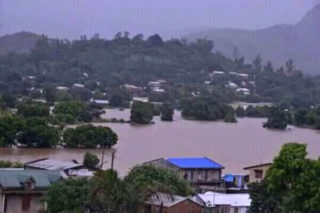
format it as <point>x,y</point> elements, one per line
<point>102,157</point>
<point>112,159</point>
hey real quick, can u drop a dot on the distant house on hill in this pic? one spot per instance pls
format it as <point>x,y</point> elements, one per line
<point>166,203</point>
<point>99,102</point>
<point>257,172</point>
<point>22,191</point>
<point>244,91</point>
<point>70,168</point>
<point>78,85</point>
<point>141,99</point>
<point>199,171</point>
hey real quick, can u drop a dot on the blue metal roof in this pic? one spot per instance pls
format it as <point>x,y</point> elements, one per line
<point>228,178</point>
<point>194,163</point>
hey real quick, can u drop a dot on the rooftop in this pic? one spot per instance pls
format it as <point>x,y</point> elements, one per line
<point>258,165</point>
<point>167,200</point>
<point>16,178</point>
<point>215,198</point>
<point>49,164</point>
<point>194,163</point>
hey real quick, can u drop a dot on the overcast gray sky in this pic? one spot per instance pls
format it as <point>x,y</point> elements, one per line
<point>72,18</point>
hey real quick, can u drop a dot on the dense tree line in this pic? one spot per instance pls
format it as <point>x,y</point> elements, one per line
<point>203,108</point>
<point>89,136</point>
<point>38,132</point>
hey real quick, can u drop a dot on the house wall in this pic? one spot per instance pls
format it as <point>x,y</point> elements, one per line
<point>252,177</point>
<point>230,209</point>
<point>186,206</point>
<point>202,175</point>
<point>14,204</point>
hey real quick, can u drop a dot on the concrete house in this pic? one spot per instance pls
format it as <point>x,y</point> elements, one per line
<point>199,171</point>
<point>22,191</point>
<point>257,172</point>
<point>166,203</point>
<point>70,168</point>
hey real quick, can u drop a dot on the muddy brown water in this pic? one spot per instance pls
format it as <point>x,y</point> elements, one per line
<point>232,145</point>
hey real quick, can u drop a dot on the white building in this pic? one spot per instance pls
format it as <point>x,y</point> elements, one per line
<point>154,84</point>
<point>221,202</point>
<point>141,99</point>
<point>78,85</point>
<point>232,85</point>
<point>99,101</point>
<point>158,90</point>
<point>244,91</point>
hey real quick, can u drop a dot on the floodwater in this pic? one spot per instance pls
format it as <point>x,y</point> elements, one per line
<point>233,145</point>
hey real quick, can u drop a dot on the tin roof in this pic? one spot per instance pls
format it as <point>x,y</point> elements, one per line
<point>258,165</point>
<point>167,200</point>
<point>16,178</point>
<point>49,164</point>
<point>215,198</point>
<point>194,163</point>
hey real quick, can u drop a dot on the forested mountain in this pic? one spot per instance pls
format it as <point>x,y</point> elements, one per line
<point>299,42</point>
<point>19,42</point>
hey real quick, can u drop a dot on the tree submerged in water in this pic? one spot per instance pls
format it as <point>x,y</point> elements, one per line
<point>167,112</point>
<point>141,113</point>
<point>230,116</point>
<point>277,119</point>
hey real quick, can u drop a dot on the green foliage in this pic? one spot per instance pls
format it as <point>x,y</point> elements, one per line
<point>145,179</point>
<point>37,133</point>
<point>33,110</point>
<point>9,164</point>
<point>107,193</point>
<point>277,119</point>
<point>202,108</point>
<point>89,136</point>
<point>292,183</point>
<point>257,112</point>
<point>91,160</point>
<point>68,195</point>
<point>9,127</point>
<point>72,111</point>
<point>116,100</point>
<point>262,200</point>
<point>167,112</point>
<point>300,117</point>
<point>141,113</point>
<point>230,116</point>
<point>50,92</point>
<point>156,109</point>
<point>240,112</point>
<point>9,100</point>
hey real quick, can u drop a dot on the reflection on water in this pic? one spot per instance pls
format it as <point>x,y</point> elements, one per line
<point>233,145</point>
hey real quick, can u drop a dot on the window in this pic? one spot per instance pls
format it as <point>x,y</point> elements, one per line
<point>25,201</point>
<point>258,173</point>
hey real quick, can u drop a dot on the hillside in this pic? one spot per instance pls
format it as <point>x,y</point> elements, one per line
<point>277,44</point>
<point>18,42</point>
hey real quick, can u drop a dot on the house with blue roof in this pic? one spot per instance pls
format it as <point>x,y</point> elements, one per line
<point>197,170</point>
